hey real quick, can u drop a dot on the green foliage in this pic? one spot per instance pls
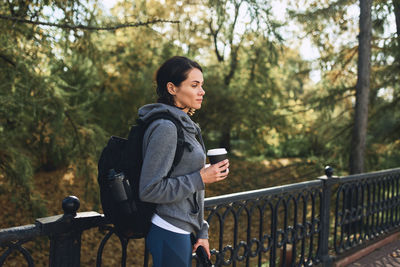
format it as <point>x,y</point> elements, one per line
<point>45,112</point>
<point>334,32</point>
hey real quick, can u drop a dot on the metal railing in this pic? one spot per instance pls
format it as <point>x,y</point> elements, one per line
<point>303,224</point>
<point>266,223</point>
<point>367,206</point>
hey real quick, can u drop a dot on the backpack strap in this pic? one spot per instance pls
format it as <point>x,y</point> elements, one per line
<point>181,143</point>
<point>200,139</point>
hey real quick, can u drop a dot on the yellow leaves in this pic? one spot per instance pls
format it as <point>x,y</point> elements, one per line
<point>46,140</point>
<point>43,133</point>
<point>69,176</point>
<point>2,179</point>
<point>86,132</point>
<point>272,138</point>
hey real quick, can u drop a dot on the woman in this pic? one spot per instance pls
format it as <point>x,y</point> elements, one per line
<point>180,197</point>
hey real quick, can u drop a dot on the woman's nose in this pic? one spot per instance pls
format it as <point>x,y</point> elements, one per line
<point>202,92</point>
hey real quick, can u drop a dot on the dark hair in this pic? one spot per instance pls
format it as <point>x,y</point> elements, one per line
<point>173,70</point>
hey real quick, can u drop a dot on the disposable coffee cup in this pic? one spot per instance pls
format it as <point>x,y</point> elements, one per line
<point>216,155</point>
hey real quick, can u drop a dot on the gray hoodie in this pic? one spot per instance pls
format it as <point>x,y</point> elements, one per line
<point>180,197</point>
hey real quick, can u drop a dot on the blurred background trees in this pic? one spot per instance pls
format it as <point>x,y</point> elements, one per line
<point>64,90</point>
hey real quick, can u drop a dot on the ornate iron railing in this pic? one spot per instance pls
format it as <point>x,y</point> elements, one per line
<point>266,223</point>
<point>301,224</point>
<point>367,206</point>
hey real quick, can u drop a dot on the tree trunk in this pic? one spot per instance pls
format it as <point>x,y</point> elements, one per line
<point>396,4</point>
<point>358,141</point>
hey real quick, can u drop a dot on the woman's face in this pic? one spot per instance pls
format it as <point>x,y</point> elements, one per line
<point>189,94</point>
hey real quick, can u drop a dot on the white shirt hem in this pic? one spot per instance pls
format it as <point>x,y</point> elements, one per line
<point>160,222</point>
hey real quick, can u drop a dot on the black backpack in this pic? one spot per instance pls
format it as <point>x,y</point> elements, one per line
<point>119,169</point>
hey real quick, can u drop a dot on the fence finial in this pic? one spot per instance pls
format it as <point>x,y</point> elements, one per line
<point>70,205</point>
<point>328,171</point>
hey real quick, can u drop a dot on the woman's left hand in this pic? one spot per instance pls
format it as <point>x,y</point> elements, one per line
<point>205,244</point>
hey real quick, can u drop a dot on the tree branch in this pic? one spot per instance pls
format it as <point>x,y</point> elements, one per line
<point>6,59</point>
<point>75,132</point>
<point>215,39</point>
<point>235,17</point>
<point>86,27</point>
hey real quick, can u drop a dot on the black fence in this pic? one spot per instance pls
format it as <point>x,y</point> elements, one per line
<point>304,224</point>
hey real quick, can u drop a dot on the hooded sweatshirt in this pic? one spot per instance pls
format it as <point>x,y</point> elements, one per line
<point>179,197</point>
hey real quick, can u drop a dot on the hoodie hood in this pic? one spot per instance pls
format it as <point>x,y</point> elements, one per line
<point>147,110</point>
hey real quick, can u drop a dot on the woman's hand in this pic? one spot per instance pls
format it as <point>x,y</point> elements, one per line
<point>205,244</point>
<point>216,172</point>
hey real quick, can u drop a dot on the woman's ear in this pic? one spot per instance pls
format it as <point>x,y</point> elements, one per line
<point>171,88</point>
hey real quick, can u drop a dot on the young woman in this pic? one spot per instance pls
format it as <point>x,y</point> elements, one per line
<point>179,197</point>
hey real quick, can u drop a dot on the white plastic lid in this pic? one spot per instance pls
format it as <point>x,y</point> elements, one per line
<point>216,151</point>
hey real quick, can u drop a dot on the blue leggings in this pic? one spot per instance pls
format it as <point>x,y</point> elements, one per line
<point>169,249</point>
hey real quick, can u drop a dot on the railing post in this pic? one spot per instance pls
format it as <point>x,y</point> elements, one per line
<point>325,220</point>
<point>64,232</point>
<point>65,248</point>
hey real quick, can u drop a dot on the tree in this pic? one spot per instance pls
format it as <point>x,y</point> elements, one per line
<point>332,29</point>
<point>396,5</point>
<point>358,143</point>
<point>239,45</point>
